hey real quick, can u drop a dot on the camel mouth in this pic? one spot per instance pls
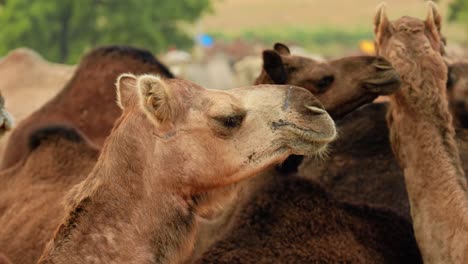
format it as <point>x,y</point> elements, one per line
<point>389,83</point>
<point>308,141</point>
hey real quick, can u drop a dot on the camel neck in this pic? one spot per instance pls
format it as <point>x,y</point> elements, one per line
<point>423,140</point>
<point>113,217</point>
<point>422,131</point>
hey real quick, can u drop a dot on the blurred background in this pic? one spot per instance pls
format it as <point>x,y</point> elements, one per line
<point>216,43</point>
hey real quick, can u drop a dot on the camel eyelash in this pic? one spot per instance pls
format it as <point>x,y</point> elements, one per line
<point>231,121</point>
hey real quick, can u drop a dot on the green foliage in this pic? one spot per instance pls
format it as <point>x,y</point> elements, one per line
<point>459,11</point>
<point>62,30</point>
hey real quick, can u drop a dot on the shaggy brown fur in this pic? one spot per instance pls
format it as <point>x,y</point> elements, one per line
<point>341,85</point>
<point>423,137</point>
<point>88,101</point>
<point>289,219</point>
<point>59,158</point>
<point>137,205</point>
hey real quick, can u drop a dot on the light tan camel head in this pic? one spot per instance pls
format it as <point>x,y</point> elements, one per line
<point>407,35</point>
<point>341,85</point>
<point>6,121</point>
<point>211,138</point>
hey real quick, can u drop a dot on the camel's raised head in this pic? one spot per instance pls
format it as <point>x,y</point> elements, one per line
<point>214,137</point>
<point>340,85</point>
<point>408,35</point>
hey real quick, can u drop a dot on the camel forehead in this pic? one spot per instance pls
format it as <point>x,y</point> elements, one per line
<point>407,22</point>
<point>299,61</point>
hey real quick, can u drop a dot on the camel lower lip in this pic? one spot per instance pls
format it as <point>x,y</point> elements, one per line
<point>306,135</point>
<point>382,82</point>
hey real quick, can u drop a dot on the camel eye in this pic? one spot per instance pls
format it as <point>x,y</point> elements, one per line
<point>325,82</point>
<point>231,121</point>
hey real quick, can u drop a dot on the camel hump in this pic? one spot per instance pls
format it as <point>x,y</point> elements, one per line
<point>52,133</point>
<point>117,51</point>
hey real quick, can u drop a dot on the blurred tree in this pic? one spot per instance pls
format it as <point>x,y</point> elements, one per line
<point>62,29</point>
<point>459,11</point>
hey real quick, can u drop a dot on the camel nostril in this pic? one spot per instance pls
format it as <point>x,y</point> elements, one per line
<point>383,67</point>
<point>382,64</point>
<point>315,110</point>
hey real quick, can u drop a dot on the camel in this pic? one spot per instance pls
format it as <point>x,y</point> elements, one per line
<point>356,80</point>
<point>142,200</point>
<point>423,137</point>
<point>87,93</point>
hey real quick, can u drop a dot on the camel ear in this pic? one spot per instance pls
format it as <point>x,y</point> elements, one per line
<point>156,98</point>
<point>126,89</point>
<point>281,49</point>
<point>273,66</point>
<point>434,19</point>
<point>382,26</point>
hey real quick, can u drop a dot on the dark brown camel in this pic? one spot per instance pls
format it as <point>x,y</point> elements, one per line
<point>87,102</point>
<point>289,219</point>
<point>341,85</point>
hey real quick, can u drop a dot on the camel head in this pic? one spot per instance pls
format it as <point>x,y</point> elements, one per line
<point>408,36</point>
<point>341,85</point>
<point>204,139</point>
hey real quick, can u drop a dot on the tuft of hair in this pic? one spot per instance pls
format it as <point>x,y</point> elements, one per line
<point>123,79</point>
<point>53,133</point>
<point>156,98</point>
